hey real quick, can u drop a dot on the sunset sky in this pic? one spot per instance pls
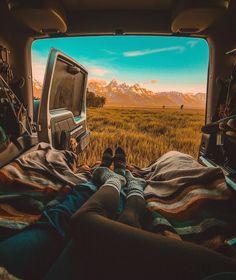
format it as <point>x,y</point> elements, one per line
<point>159,63</point>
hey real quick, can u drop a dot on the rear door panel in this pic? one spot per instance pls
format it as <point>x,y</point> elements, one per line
<point>62,112</point>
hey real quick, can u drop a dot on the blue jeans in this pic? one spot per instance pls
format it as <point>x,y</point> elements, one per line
<point>67,265</point>
<point>30,253</point>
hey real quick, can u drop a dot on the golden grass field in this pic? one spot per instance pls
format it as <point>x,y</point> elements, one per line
<point>144,133</point>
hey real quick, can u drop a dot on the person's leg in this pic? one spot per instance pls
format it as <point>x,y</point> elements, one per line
<point>120,161</point>
<point>107,158</point>
<point>67,266</point>
<point>134,212</point>
<point>135,207</point>
<point>30,253</point>
<point>111,250</point>
<point>59,216</point>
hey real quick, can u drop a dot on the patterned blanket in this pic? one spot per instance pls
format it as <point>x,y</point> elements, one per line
<point>186,200</point>
<point>189,202</point>
<point>30,182</point>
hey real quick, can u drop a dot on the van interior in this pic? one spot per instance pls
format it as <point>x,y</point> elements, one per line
<point>59,119</point>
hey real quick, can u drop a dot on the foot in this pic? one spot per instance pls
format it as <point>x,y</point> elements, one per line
<point>104,176</point>
<point>120,161</point>
<point>135,186</point>
<point>107,158</point>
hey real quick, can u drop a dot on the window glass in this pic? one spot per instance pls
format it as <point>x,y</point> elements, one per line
<point>66,89</point>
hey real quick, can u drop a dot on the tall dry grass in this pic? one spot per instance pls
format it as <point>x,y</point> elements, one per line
<point>145,134</point>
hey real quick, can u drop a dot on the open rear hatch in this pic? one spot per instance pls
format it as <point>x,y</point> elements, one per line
<point>60,114</point>
<point>62,111</point>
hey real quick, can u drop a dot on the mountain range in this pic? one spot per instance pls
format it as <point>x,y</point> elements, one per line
<point>134,95</point>
<point>122,94</point>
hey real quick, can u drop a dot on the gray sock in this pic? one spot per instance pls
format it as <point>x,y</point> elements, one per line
<point>103,176</point>
<point>135,186</point>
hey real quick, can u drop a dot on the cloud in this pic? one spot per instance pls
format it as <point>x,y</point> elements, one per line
<point>39,62</point>
<point>98,71</point>
<point>192,43</point>
<point>152,51</point>
<point>109,52</point>
<point>95,68</point>
<point>154,82</point>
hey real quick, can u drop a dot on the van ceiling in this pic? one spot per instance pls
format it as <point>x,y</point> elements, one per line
<point>124,16</point>
<point>74,5</point>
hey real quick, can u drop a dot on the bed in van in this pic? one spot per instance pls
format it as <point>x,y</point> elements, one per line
<point>59,119</point>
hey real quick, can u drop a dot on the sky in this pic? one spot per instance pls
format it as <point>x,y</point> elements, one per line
<point>158,63</point>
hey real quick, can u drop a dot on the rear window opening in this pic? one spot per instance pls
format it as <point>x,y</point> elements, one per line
<point>145,93</point>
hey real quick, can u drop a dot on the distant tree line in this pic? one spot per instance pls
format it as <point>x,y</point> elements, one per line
<point>93,100</point>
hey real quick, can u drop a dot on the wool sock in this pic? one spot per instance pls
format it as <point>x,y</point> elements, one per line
<point>107,158</point>
<point>135,186</point>
<point>103,176</point>
<point>120,161</point>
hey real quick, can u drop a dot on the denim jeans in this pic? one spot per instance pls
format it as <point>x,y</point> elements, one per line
<point>67,265</point>
<point>30,253</point>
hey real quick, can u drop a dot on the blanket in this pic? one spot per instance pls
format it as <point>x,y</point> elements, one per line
<point>188,201</point>
<point>31,181</point>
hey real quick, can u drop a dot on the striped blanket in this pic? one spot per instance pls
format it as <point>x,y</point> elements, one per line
<point>34,179</point>
<point>188,201</point>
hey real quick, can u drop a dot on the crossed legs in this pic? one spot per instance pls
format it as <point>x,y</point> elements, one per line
<point>109,249</point>
<point>135,207</point>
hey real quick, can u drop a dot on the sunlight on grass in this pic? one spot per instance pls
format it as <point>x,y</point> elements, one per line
<point>145,134</point>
